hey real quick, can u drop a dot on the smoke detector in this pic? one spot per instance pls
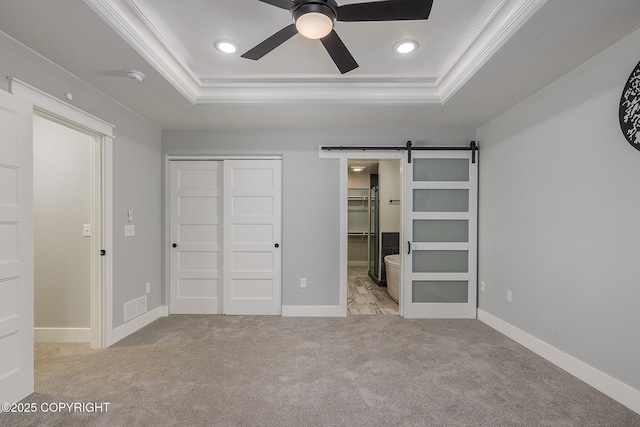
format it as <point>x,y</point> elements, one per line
<point>135,75</point>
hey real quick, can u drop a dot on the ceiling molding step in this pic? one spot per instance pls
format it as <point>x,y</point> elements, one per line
<point>127,20</point>
<point>130,23</point>
<point>300,93</point>
<point>506,19</point>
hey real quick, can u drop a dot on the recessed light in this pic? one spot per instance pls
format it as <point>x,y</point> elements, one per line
<point>226,46</point>
<point>405,46</point>
<point>358,169</point>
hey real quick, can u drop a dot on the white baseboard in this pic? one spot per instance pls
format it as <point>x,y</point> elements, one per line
<point>615,389</point>
<point>137,323</point>
<point>313,311</point>
<point>62,334</point>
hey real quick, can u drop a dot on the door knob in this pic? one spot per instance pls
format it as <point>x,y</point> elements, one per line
<point>277,245</point>
<point>175,245</point>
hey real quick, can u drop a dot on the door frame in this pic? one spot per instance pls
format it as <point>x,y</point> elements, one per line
<point>344,157</point>
<point>52,108</point>
<point>167,205</point>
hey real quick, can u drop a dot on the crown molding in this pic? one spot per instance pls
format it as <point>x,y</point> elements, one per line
<point>124,17</point>
<point>504,21</point>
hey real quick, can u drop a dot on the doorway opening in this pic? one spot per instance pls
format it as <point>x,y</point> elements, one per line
<point>68,232</point>
<point>374,228</point>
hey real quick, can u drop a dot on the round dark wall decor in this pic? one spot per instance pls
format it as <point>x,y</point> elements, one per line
<point>630,109</point>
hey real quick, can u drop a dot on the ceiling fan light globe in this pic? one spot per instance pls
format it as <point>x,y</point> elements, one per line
<point>314,25</point>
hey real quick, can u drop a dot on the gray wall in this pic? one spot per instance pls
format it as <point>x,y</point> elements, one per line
<point>559,209</point>
<point>311,193</point>
<point>62,178</point>
<point>137,172</point>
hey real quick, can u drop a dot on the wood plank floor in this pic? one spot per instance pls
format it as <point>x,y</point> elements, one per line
<point>365,297</point>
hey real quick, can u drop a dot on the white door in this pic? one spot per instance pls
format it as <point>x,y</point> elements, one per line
<point>195,237</point>
<point>439,262</point>
<point>16,248</point>
<point>252,233</point>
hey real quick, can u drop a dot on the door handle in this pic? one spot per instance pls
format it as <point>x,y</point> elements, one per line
<point>277,245</point>
<point>175,245</point>
<point>408,248</point>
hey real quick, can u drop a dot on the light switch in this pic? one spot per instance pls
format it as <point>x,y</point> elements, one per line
<point>129,230</point>
<point>130,216</point>
<point>86,230</point>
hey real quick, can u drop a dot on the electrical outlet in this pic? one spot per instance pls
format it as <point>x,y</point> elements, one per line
<point>508,296</point>
<point>483,286</point>
<point>148,287</point>
<point>303,283</point>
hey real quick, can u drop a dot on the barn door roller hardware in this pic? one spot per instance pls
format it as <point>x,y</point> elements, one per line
<point>473,147</point>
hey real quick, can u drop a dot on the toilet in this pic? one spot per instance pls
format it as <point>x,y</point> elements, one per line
<point>392,264</point>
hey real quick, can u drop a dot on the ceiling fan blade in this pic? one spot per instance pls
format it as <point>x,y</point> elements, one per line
<point>339,52</point>
<point>282,4</point>
<point>271,43</point>
<point>393,10</point>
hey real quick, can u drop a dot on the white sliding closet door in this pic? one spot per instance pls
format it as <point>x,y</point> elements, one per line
<point>195,237</point>
<point>440,223</point>
<point>16,248</point>
<point>252,236</point>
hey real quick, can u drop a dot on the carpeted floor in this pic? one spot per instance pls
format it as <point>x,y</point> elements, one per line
<point>274,371</point>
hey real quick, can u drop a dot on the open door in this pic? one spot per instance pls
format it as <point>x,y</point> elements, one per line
<point>439,262</point>
<point>16,248</point>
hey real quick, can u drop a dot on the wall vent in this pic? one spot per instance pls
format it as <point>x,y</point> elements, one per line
<point>135,308</point>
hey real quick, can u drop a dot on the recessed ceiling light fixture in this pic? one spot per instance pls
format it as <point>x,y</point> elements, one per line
<point>226,46</point>
<point>405,46</point>
<point>357,169</point>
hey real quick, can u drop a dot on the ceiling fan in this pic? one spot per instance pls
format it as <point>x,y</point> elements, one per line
<point>314,19</point>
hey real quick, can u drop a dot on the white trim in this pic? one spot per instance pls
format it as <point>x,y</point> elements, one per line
<point>62,334</point>
<point>138,323</point>
<point>313,311</point>
<point>612,387</point>
<point>78,119</point>
<point>64,110</point>
<point>171,157</point>
<point>508,17</point>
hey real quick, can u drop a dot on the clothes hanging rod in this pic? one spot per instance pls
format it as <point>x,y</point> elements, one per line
<point>473,147</point>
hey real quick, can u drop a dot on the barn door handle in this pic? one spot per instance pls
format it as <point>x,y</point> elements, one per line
<point>408,248</point>
<point>277,245</point>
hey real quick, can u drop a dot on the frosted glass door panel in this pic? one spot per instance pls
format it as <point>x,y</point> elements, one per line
<point>440,200</point>
<point>440,261</point>
<point>432,291</point>
<point>440,230</point>
<point>441,170</point>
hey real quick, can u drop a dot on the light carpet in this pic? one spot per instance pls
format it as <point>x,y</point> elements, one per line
<point>275,371</point>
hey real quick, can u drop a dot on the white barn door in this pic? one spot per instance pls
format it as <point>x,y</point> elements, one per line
<point>195,237</point>
<point>252,233</point>
<point>16,248</point>
<point>440,223</point>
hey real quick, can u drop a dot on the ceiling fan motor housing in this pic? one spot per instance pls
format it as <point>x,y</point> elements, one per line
<point>328,8</point>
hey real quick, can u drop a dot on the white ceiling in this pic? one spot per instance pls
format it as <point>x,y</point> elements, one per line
<point>476,59</point>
